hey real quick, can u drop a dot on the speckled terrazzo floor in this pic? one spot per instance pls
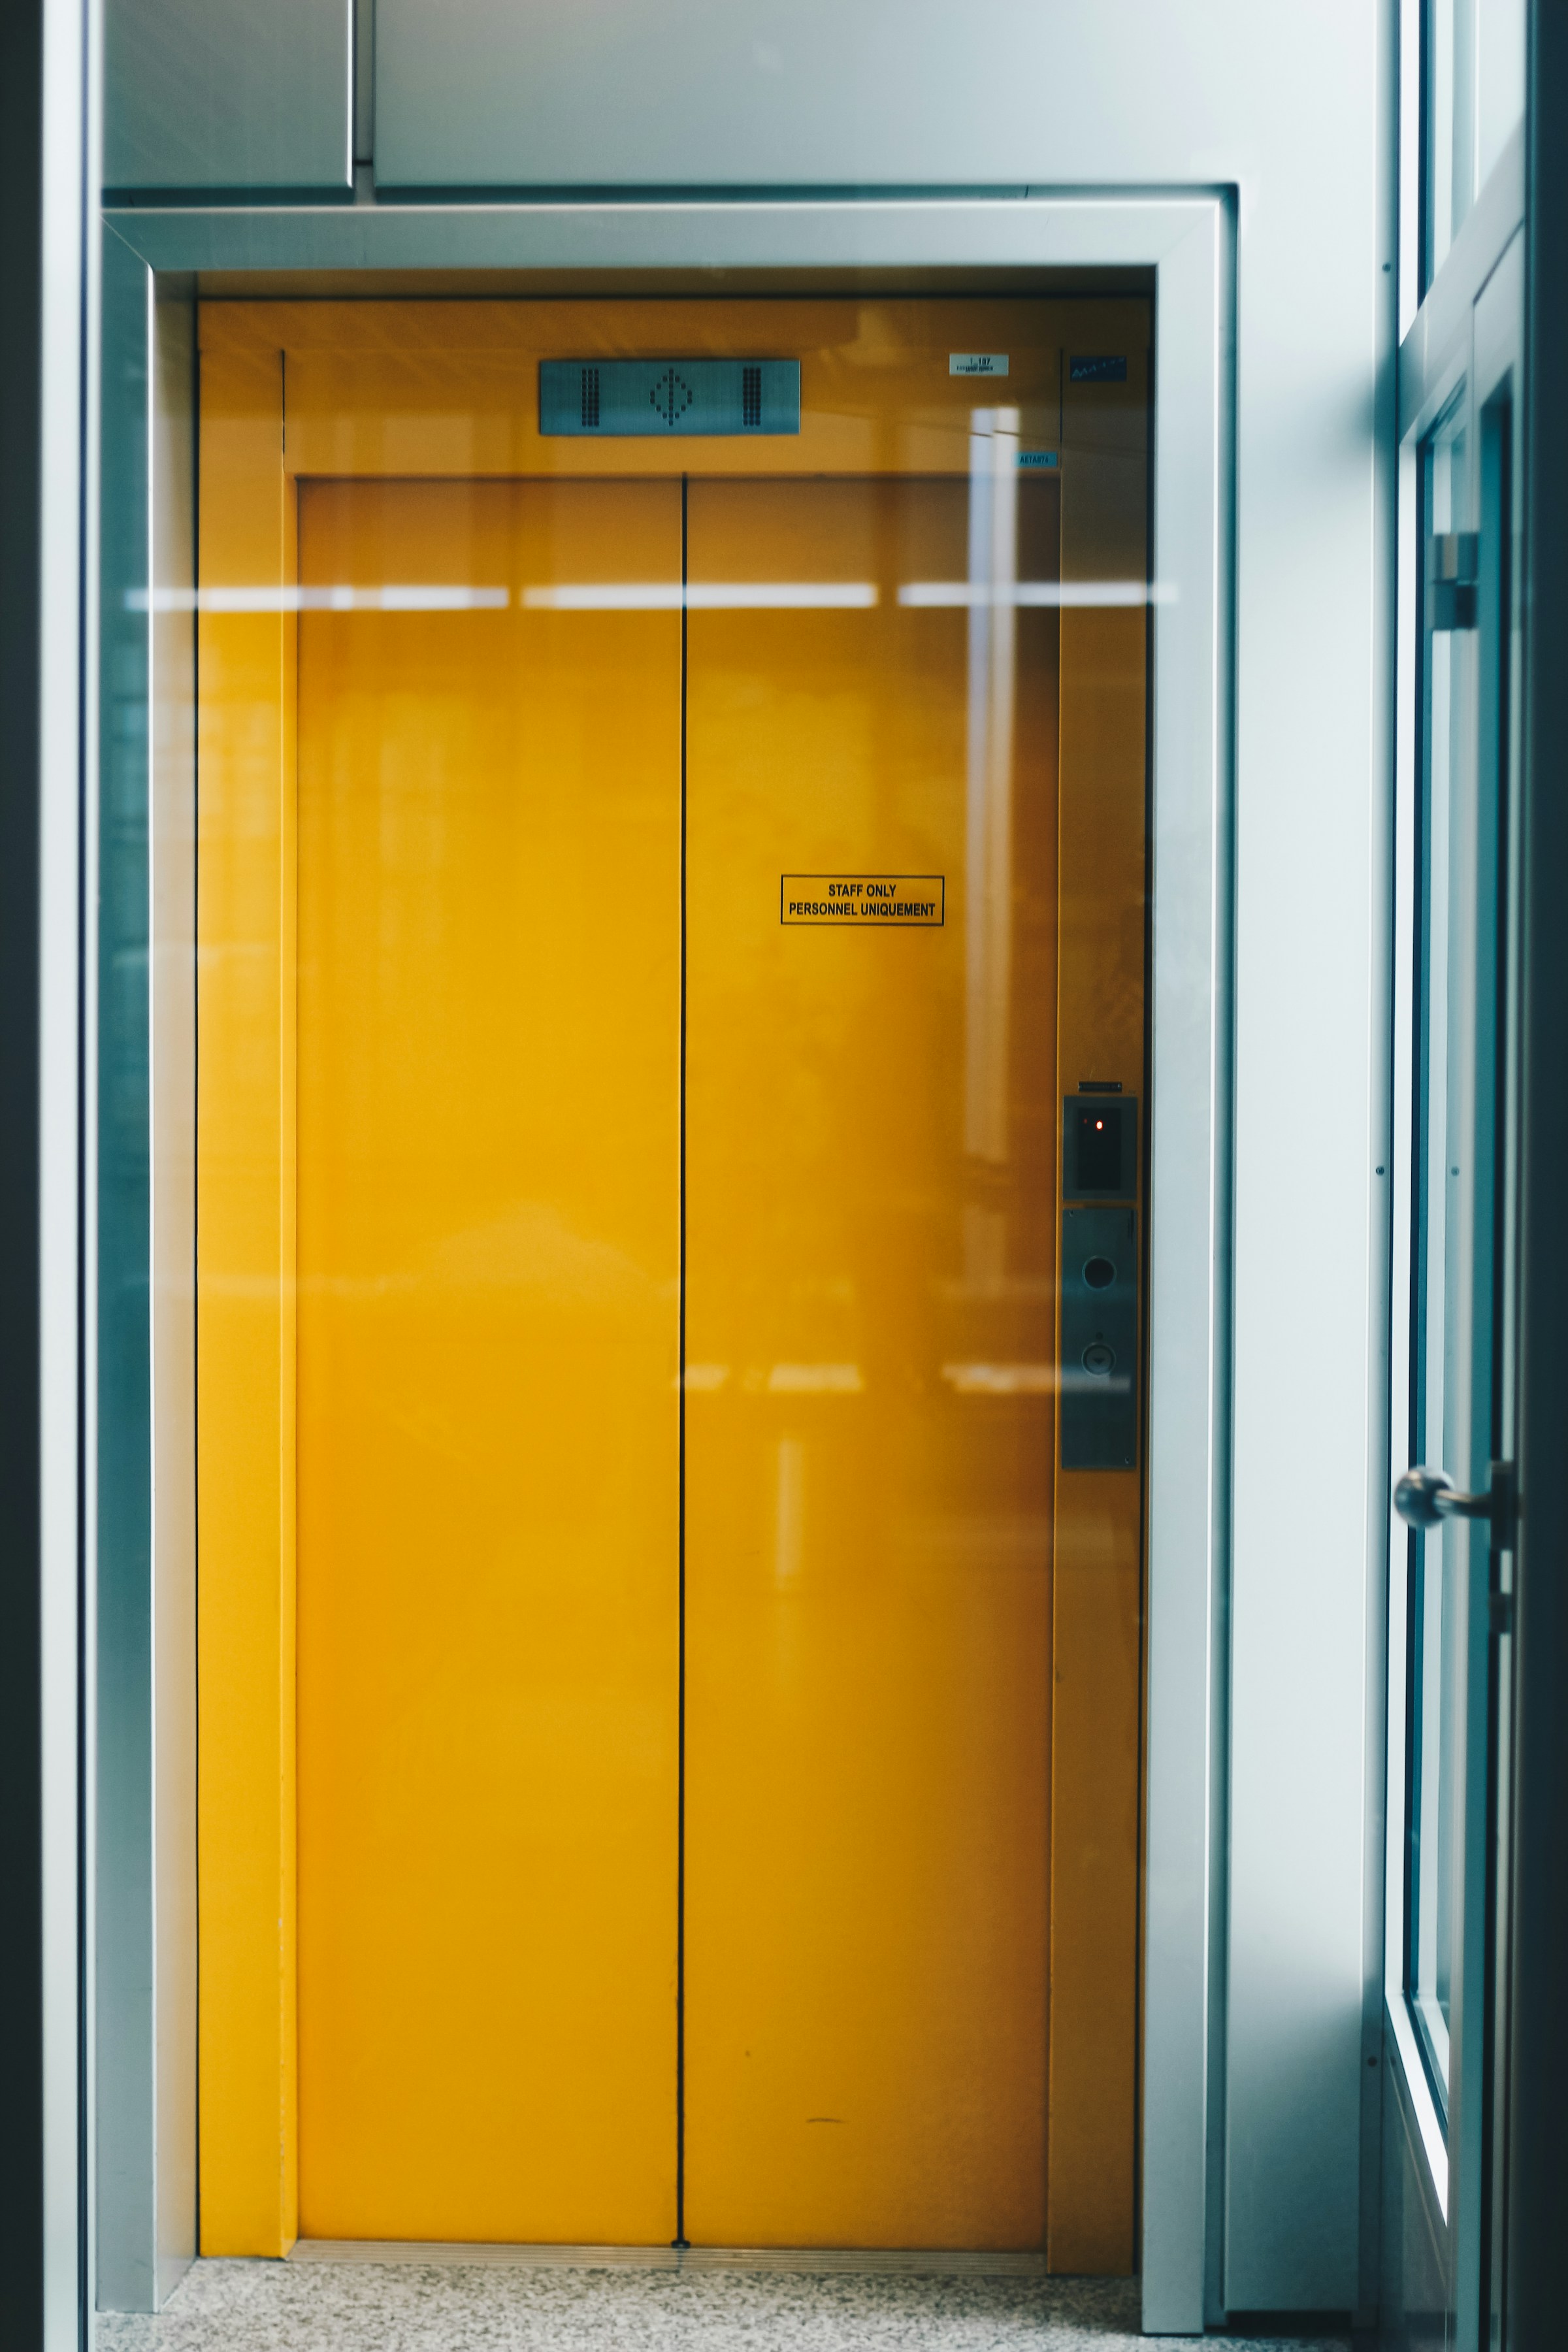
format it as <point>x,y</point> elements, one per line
<point>233,2306</point>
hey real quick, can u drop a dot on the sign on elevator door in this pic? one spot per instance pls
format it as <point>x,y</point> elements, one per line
<point>891,899</point>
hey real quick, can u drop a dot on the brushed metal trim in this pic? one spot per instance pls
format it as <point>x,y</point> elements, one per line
<point>809,2261</point>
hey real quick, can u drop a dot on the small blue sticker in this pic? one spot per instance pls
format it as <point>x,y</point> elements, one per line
<point>1100,370</point>
<point>1032,457</point>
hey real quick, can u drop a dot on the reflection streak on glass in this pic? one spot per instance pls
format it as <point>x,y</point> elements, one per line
<point>815,1380</point>
<point>704,596</point>
<point>569,596</point>
<point>1001,1380</point>
<point>1053,595</point>
<point>988,867</point>
<point>405,596</point>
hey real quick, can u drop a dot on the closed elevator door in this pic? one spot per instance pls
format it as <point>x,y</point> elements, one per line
<point>870,1213</point>
<point>489,876</point>
<point>717,1657</point>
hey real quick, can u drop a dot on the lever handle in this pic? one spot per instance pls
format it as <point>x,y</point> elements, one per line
<point>1425,1498</point>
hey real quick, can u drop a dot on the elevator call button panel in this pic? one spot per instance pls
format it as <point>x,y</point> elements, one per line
<point>1100,1339</point>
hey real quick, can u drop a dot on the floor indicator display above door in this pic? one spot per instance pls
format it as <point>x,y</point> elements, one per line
<point>607,398</point>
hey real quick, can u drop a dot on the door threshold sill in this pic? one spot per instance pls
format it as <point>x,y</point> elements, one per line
<point>820,2261</point>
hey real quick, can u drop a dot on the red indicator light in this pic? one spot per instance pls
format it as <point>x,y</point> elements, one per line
<point>1098,1124</point>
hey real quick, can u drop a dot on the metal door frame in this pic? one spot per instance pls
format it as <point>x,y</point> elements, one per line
<point>1186,241</point>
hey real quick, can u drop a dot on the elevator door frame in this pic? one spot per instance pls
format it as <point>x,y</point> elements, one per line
<point>1058,242</point>
<point>350,371</point>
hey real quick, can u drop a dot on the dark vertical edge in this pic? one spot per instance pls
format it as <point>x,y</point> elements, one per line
<point>1537,2057</point>
<point>363,99</point>
<point>87,346</point>
<point>196,399</point>
<point>123,1924</point>
<point>21,1956</point>
<point>1498,819</point>
<point>681,1392</point>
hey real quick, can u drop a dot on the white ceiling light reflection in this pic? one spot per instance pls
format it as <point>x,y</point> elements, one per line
<point>815,1380</point>
<point>989,598</point>
<point>657,596</point>
<point>1054,594</point>
<point>703,596</point>
<point>1001,1380</point>
<point>397,596</point>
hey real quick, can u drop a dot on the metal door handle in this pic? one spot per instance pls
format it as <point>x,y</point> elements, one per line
<point>1425,1498</point>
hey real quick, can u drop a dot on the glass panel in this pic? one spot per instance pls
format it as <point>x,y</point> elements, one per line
<point>1440,1375</point>
<point>1450,1760</point>
<point>1499,79</point>
<point>1474,68</point>
<point>634,1435</point>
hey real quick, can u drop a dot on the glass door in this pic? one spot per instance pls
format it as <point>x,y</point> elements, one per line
<point>1456,1500</point>
<point>671,948</point>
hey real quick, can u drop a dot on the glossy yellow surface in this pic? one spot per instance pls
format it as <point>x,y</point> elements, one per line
<point>490,837</point>
<point>868,1536</point>
<point>244,1326</point>
<point>913,1649</point>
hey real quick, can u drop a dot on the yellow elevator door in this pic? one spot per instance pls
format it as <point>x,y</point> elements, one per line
<point>490,952</point>
<point>714,1691</point>
<point>868,1527</point>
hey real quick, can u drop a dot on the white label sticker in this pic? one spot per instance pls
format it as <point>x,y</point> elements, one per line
<point>977,363</point>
